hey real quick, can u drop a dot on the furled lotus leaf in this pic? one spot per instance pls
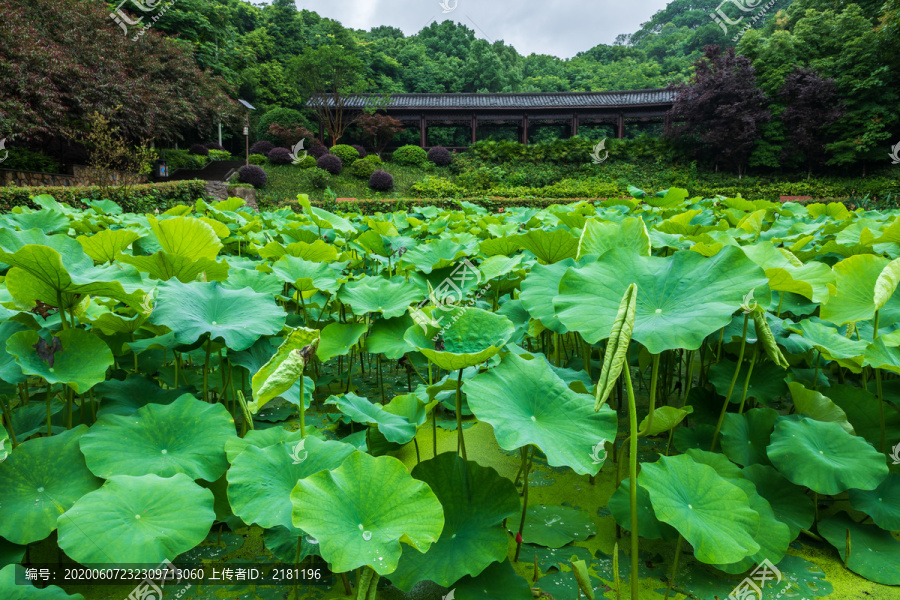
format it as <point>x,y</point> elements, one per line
<point>787,273</point>
<point>361,511</point>
<point>42,479</point>
<point>187,436</point>
<point>816,406</point>
<point>337,339</point>
<point>616,354</point>
<point>186,236</point>
<point>239,317</point>
<point>260,480</point>
<point>874,553</point>
<point>556,526</point>
<point>712,514</point>
<point>105,245</point>
<point>649,526</point>
<point>306,275</point>
<point>599,236</point>
<point>10,590</point>
<point>387,338</point>
<point>164,266</point>
<point>528,404</point>
<point>745,437</point>
<point>79,360</point>
<point>143,519</point>
<point>476,500</point>
<point>882,503</point>
<point>824,457</point>
<point>471,336</point>
<point>767,339</point>
<point>789,502</point>
<point>682,298</point>
<point>887,283</point>
<point>391,298</point>
<point>285,367</point>
<point>853,298</point>
<point>549,246</point>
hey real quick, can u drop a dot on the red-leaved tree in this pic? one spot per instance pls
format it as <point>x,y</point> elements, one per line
<point>381,128</point>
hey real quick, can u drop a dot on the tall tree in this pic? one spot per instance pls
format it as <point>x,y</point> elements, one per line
<point>811,106</point>
<point>721,108</point>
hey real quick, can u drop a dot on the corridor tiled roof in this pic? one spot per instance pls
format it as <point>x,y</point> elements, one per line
<point>514,101</point>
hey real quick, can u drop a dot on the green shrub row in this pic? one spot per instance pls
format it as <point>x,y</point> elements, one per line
<point>138,199</point>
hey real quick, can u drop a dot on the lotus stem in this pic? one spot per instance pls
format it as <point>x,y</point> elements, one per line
<point>780,302</point>
<point>632,472</point>
<point>616,571</point>
<point>61,310</point>
<point>848,549</point>
<point>135,355</point>
<point>8,418</point>
<point>816,370</point>
<point>380,376</point>
<point>688,382</point>
<point>747,379</point>
<point>433,410</point>
<point>737,371</point>
<point>880,394</point>
<point>674,566</point>
<point>586,356</point>
<point>368,584</point>
<point>634,433</point>
<point>719,351</point>
<point>49,414</point>
<point>461,439</point>
<point>177,363</point>
<point>350,368</point>
<point>206,371</point>
<point>529,451</point>
<point>302,407</point>
<point>69,401</point>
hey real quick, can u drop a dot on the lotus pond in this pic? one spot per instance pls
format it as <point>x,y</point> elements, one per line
<point>455,403</point>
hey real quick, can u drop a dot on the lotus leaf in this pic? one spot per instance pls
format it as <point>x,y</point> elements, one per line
<point>42,479</point>
<point>498,582</point>
<point>361,511</point>
<point>386,337</point>
<point>528,404</point>
<point>882,503</point>
<point>745,437</point>
<point>556,526</point>
<point>549,246</point>
<point>789,502</point>
<point>337,339</point>
<point>853,298</point>
<point>599,236</point>
<point>874,553</point>
<point>164,266</point>
<point>285,367</point>
<point>76,358</point>
<point>183,236</point>
<point>143,519</point>
<point>471,336</point>
<point>306,275</point>
<point>107,244</point>
<point>538,290</point>
<point>10,590</point>
<point>391,298</point>
<point>649,526</point>
<point>187,436</point>
<point>816,406</point>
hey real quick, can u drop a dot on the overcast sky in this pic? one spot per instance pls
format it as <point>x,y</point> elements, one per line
<point>558,27</point>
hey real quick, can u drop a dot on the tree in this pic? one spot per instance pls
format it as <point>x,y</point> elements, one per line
<point>811,106</point>
<point>721,107</point>
<point>330,75</point>
<point>381,128</point>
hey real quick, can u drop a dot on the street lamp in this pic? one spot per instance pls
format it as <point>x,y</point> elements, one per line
<point>249,107</point>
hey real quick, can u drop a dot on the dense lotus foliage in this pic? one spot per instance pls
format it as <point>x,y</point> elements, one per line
<point>730,366</point>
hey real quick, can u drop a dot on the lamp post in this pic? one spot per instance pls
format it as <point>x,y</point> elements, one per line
<point>249,107</point>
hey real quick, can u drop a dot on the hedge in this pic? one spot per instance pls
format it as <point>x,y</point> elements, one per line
<point>141,198</point>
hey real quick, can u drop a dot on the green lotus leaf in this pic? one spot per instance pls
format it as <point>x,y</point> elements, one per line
<point>549,246</point>
<point>323,218</point>
<point>259,282</point>
<point>337,339</point>
<point>285,367</point>
<point>829,341</point>
<point>874,553</point>
<point>186,236</point>
<point>11,241</point>
<point>164,266</point>
<point>556,526</point>
<point>787,273</point>
<point>46,220</point>
<point>766,382</point>
<point>260,480</point>
<point>816,406</point>
<point>681,299</point>
<point>361,511</point>
<point>538,290</point>
<point>712,514</point>
<point>528,404</point>
<point>124,397</point>
<point>10,371</point>
<point>599,236</point>
<point>81,363</point>
<point>887,283</point>
<point>144,519</point>
<point>387,338</point>
<point>5,444</point>
<point>31,418</point>
<point>498,582</point>
<point>434,255</point>
<point>239,317</point>
<point>863,410</point>
<point>10,590</point>
<point>498,266</point>
<point>187,436</point>
<point>649,526</point>
<point>395,428</point>
<point>853,298</point>
<point>824,457</point>
<point>476,500</point>
<point>882,503</point>
<point>665,418</point>
<point>500,246</point>
<point>789,502</point>
<point>282,543</point>
<point>379,295</point>
<point>317,251</point>
<point>263,438</point>
<point>306,275</point>
<point>42,479</point>
<point>745,437</point>
<point>471,336</point>
<point>107,244</point>
<point>881,356</point>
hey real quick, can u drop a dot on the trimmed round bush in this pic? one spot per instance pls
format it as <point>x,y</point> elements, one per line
<point>261,147</point>
<point>257,159</point>
<point>374,159</point>
<point>361,150</point>
<point>280,156</point>
<point>284,117</point>
<point>410,155</point>
<point>214,146</point>
<point>219,155</point>
<point>307,163</point>
<point>319,178</point>
<point>317,151</point>
<point>440,156</point>
<point>199,150</point>
<point>363,168</point>
<point>347,154</point>
<point>330,163</point>
<point>381,181</point>
<point>253,175</point>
